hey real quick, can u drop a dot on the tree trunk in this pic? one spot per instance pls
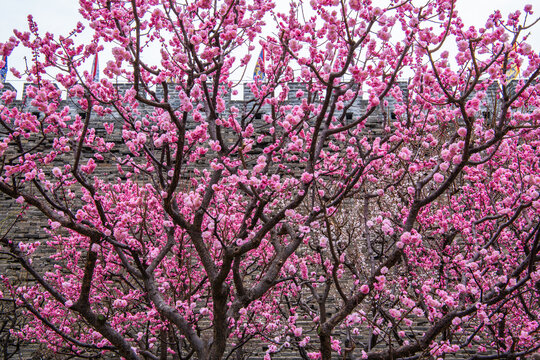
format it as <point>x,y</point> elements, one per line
<point>326,346</point>
<point>217,348</point>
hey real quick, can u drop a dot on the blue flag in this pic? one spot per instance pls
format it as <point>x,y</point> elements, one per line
<point>259,67</point>
<point>3,71</point>
<point>95,69</point>
<point>512,72</point>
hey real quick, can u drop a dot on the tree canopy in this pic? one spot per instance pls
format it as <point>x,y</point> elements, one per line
<point>372,194</point>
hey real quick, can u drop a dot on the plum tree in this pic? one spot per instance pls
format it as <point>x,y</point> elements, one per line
<point>182,223</point>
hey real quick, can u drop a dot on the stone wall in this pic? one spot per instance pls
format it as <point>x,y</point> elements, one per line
<point>30,228</point>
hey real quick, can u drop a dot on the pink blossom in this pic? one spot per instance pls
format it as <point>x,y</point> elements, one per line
<point>438,178</point>
<point>306,177</point>
<point>383,35</point>
<point>304,229</point>
<point>405,154</point>
<point>304,341</point>
<point>394,313</point>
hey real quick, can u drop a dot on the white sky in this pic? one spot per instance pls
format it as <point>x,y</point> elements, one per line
<point>60,16</point>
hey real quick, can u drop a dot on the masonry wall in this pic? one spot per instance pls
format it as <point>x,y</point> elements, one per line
<point>30,228</point>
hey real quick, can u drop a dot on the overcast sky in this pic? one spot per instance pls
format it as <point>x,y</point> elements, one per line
<point>60,16</point>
